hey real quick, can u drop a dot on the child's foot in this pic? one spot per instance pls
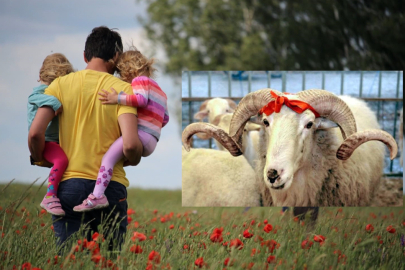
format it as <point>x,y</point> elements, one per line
<point>52,206</point>
<point>92,202</point>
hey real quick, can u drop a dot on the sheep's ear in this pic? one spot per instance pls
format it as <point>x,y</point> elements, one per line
<point>201,115</point>
<point>324,123</point>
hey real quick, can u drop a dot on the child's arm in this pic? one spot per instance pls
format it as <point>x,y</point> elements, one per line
<point>165,118</point>
<point>41,100</point>
<point>140,87</point>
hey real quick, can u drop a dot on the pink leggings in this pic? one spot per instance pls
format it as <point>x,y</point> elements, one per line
<point>114,154</point>
<point>55,155</point>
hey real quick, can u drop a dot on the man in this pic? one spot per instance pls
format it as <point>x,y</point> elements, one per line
<point>86,131</point>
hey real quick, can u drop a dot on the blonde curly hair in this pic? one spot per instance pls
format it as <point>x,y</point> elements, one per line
<point>133,63</point>
<point>54,66</point>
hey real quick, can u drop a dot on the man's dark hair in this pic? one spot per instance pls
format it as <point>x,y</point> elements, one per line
<point>102,43</point>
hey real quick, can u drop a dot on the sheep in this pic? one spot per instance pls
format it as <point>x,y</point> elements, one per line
<point>210,109</point>
<point>232,184</point>
<point>304,161</point>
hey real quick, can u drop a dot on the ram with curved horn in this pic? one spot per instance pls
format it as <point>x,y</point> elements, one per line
<point>311,147</point>
<point>210,109</point>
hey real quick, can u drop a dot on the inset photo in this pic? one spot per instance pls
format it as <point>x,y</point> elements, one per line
<point>292,138</point>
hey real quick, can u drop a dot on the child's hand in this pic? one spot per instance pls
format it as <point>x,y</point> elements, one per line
<point>59,111</point>
<point>109,98</point>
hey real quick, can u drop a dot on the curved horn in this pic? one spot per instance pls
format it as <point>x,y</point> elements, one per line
<point>355,140</point>
<point>203,136</point>
<point>250,105</point>
<point>213,131</point>
<point>332,107</point>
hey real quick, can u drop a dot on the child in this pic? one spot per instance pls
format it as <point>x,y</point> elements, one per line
<point>54,66</point>
<point>151,102</point>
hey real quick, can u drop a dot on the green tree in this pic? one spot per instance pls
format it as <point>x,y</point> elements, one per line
<point>289,34</point>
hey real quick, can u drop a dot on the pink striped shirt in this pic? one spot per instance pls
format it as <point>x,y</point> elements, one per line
<point>151,102</point>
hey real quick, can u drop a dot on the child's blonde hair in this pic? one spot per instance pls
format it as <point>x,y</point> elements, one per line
<point>54,66</point>
<point>133,63</point>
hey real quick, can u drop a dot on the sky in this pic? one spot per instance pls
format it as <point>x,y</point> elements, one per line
<point>31,30</point>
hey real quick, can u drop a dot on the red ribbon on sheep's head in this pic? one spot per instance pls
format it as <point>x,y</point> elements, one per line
<point>297,106</point>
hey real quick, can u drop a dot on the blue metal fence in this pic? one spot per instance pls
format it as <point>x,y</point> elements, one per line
<point>380,89</point>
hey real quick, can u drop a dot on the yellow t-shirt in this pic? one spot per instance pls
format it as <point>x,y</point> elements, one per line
<point>87,128</point>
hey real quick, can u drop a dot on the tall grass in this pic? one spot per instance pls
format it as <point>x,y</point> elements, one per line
<point>181,235</point>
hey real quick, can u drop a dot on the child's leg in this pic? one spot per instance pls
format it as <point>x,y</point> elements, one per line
<point>54,154</point>
<point>113,155</point>
<point>148,141</point>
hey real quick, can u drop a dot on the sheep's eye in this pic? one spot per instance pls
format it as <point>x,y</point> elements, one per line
<point>309,125</point>
<point>265,122</point>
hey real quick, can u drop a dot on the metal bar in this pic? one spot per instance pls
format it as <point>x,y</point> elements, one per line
<point>303,80</point>
<point>283,81</point>
<point>342,79</point>
<point>268,78</point>
<point>361,84</point>
<point>323,79</point>
<point>379,93</point>
<point>249,81</point>
<point>229,84</point>
<point>239,98</point>
<point>209,83</point>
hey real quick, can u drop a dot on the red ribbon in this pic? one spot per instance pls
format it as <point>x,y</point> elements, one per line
<point>297,106</point>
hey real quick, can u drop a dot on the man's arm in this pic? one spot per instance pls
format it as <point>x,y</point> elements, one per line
<point>36,135</point>
<point>132,146</point>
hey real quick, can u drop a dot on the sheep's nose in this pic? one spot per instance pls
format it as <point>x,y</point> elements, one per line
<point>272,175</point>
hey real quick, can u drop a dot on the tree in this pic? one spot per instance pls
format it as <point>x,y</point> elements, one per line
<point>288,35</point>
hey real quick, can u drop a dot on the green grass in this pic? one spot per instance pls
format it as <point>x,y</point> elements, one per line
<point>26,236</point>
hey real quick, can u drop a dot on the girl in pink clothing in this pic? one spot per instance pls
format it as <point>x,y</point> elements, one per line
<point>54,66</point>
<point>151,102</point>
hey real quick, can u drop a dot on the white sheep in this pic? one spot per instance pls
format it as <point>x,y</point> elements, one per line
<point>304,160</point>
<point>210,109</point>
<point>232,184</point>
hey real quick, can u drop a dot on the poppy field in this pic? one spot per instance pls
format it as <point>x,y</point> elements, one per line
<point>163,235</point>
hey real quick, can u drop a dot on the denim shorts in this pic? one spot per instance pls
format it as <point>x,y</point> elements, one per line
<point>72,192</point>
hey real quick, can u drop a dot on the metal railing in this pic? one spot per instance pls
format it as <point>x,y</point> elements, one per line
<point>378,103</point>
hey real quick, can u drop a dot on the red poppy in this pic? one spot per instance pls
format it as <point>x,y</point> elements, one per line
<point>319,238</point>
<point>369,228</point>
<point>391,229</point>
<point>162,219</point>
<point>154,230</point>
<point>26,266</point>
<point>136,224</point>
<point>228,263</point>
<point>136,249</point>
<point>140,236</point>
<point>265,221</point>
<point>271,259</point>
<point>306,244</point>
<point>130,211</point>
<point>171,227</point>
<point>216,235</point>
<point>154,256</point>
<point>199,262</point>
<point>155,211</point>
<point>97,258</point>
<point>237,243</point>
<point>254,251</point>
<point>268,228</point>
<point>252,222</point>
<point>247,234</point>
<point>129,219</point>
